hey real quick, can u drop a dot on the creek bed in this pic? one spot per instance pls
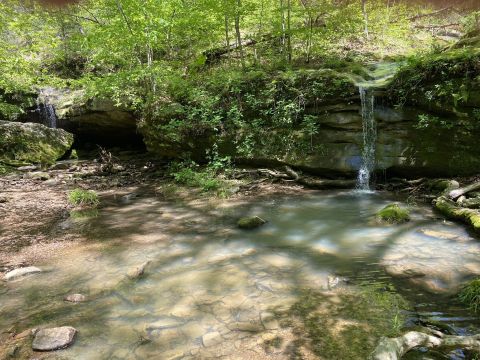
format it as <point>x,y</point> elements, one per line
<point>322,279</point>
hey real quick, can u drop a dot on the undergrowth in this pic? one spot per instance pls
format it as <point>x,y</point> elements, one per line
<point>80,197</point>
<point>470,294</point>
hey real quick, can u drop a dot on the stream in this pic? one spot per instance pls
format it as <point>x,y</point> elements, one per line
<point>211,290</point>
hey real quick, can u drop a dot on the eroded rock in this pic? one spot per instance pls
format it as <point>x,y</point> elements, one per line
<point>54,338</point>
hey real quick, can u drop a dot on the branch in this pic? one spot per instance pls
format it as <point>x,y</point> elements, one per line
<point>413,18</point>
<point>395,348</point>
<point>436,26</point>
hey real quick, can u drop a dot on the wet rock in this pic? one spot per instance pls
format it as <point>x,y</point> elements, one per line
<point>37,175</point>
<point>165,323</point>
<point>54,338</point>
<point>75,298</point>
<point>248,326</point>
<point>404,271</point>
<point>393,214</point>
<point>27,168</point>
<point>21,272</point>
<point>3,199</point>
<point>250,222</point>
<point>138,271</point>
<point>269,321</point>
<point>211,339</point>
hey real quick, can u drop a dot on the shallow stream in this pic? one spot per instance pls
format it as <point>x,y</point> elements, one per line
<point>322,279</point>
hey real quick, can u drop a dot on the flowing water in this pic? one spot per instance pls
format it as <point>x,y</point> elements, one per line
<point>47,115</point>
<point>369,138</point>
<point>379,76</point>
<point>212,290</point>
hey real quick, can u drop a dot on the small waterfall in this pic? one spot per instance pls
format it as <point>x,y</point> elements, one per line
<point>47,114</point>
<point>369,138</point>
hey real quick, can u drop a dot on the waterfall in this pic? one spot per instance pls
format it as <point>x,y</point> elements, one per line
<point>369,138</point>
<point>47,114</point>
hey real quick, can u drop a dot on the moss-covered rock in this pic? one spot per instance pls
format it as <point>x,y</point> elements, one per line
<point>393,214</point>
<point>32,143</point>
<point>250,222</point>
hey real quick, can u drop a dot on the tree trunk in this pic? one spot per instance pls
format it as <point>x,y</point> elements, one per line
<point>289,34</point>
<point>365,18</point>
<point>237,31</point>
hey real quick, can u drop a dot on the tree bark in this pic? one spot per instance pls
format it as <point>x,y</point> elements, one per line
<point>237,31</point>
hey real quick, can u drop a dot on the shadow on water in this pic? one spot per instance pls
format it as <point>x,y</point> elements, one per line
<point>316,279</point>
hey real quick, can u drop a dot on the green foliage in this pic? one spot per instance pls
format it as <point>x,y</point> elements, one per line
<point>191,174</point>
<point>445,79</point>
<point>80,197</point>
<point>470,294</point>
<point>428,120</point>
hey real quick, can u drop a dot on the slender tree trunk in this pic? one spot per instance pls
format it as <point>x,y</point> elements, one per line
<point>365,17</point>
<point>283,27</point>
<point>237,31</point>
<point>289,35</point>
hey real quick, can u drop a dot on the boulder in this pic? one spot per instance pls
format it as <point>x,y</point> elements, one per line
<point>393,214</point>
<point>54,338</point>
<point>21,272</point>
<point>22,143</point>
<point>250,222</point>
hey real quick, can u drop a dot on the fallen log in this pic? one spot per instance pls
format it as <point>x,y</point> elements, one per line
<point>395,348</point>
<point>455,194</point>
<point>320,183</point>
<point>450,209</point>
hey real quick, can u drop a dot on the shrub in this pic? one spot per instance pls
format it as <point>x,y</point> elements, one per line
<point>190,174</point>
<point>80,197</point>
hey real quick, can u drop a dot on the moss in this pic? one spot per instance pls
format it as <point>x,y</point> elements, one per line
<point>450,209</point>
<point>393,213</point>
<point>32,143</point>
<point>250,222</point>
<point>350,326</point>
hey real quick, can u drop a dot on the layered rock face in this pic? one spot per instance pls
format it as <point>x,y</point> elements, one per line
<point>32,143</point>
<point>91,120</point>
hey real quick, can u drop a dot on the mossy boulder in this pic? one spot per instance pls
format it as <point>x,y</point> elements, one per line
<point>32,143</point>
<point>393,214</point>
<point>251,222</point>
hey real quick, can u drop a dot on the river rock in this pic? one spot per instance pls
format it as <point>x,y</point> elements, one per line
<point>211,339</point>
<point>21,272</point>
<point>75,298</point>
<point>54,338</point>
<point>138,271</point>
<point>393,214</point>
<point>250,222</point>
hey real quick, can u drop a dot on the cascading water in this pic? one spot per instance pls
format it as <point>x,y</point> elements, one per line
<point>47,114</point>
<point>369,138</point>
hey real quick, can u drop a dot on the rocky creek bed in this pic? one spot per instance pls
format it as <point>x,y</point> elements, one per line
<point>159,271</point>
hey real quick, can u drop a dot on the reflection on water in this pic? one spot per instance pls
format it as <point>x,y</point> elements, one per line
<point>212,290</point>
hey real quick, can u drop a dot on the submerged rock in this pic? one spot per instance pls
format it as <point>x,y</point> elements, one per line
<point>54,338</point>
<point>32,143</point>
<point>211,339</point>
<point>138,271</point>
<point>250,222</point>
<point>394,214</point>
<point>75,298</point>
<point>21,272</point>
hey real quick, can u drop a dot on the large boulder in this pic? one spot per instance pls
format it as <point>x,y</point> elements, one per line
<point>32,143</point>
